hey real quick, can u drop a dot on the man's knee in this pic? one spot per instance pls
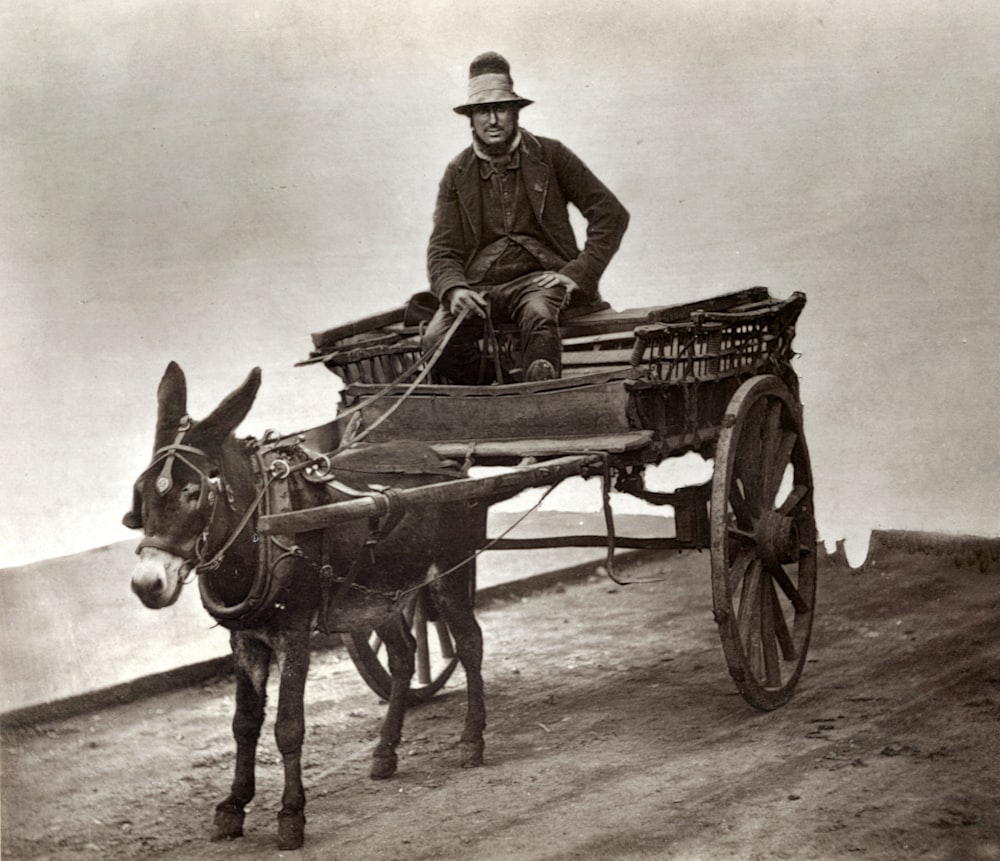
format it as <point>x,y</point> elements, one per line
<point>436,329</point>
<point>538,317</point>
<point>541,305</point>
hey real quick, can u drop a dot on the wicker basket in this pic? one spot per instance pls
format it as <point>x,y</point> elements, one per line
<point>377,363</point>
<point>684,374</point>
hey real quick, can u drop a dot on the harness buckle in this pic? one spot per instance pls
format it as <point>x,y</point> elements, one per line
<point>280,469</point>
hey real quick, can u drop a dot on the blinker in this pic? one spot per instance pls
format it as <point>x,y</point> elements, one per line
<point>164,482</point>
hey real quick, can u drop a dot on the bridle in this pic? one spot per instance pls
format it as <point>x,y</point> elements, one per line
<point>210,489</point>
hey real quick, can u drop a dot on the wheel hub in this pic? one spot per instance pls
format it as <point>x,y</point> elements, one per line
<point>777,538</point>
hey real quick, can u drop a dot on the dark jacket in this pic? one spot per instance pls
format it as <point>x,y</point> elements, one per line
<point>552,177</point>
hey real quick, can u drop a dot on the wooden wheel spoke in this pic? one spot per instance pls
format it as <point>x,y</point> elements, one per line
<point>423,656</point>
<point>435,654</point>
<point>769,432</point>
<point>409,611</point>
<point>741,507</point>
<point>782,457</point>
<point>778,575</point>
<point>748,466</point>
<point>749,475</point>
<point>738,570</point>
<point>748,463</point>
<point>444,640</point>
<point>781,631</point>
<point>768,634</point>
<point>794,500</point>
<point>748,615</point>
<point>741,534</point>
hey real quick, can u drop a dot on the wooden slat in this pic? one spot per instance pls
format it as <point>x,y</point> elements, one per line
<point>329,338</point>
<point>514,390</point>
<point>573,371</point>
<point>622,542</point>
<point>601,338</point>
<point>544,447</point>
<point>596,323</point>
<point>603,322</point>
<point>559,411</point>
<point>577,358</point>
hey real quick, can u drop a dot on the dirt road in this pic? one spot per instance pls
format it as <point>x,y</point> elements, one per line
<point>614,732</point>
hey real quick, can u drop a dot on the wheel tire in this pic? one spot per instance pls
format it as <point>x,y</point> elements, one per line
<point>435,656</point>
<point>763,542</point>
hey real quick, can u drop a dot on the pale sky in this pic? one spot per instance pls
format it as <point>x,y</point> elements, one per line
<point>210,182</point>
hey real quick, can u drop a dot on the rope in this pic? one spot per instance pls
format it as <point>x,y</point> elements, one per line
<point>609,523</point>
<point>435,354</point>
<point>432,355</point>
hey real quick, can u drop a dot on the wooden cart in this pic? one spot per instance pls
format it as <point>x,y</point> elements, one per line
<point>639,387</point>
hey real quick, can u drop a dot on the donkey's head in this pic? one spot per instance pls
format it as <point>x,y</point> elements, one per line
<point>176,499</point>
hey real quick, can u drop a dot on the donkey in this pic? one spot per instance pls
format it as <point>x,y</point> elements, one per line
<point>198,504</point>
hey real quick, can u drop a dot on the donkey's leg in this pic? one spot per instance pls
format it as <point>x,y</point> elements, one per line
<point>455,597</point>
<point>400,649</point>
<point>251,658</point>
<point>292,649</point>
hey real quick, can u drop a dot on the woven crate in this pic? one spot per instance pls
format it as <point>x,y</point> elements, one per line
<point>377,363</point>
<point>685,373</point>
<point>711,346</point>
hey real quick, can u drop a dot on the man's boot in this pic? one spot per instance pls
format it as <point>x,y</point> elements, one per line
<point>540,369</point>
<point>542,357</point>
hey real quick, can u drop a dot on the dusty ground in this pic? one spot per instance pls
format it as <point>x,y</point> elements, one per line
<point>614,733</point>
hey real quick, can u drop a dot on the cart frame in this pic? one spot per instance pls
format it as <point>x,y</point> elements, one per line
<point>639,387</point>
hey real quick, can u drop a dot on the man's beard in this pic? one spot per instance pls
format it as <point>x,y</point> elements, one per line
<point>495,150</point>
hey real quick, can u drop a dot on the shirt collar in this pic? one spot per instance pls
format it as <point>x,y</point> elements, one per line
<point>486,167</point>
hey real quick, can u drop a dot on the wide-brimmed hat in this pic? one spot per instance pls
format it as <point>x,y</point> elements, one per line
<point>490,84</point>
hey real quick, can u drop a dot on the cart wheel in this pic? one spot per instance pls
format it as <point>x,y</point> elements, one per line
<point>763,542</point>
<point>436,659</point>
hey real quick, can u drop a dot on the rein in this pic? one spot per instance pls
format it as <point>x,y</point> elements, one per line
<point>267,584</point>
<point>429,359</point>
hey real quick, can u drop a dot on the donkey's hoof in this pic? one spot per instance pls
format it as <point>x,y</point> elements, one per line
<point>291,829</point>
<point>383,766</point>
<point>472,753</point>
<point>228,824</point>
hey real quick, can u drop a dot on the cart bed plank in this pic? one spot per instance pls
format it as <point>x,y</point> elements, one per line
<point>563,408</point>
<point>547,447</point>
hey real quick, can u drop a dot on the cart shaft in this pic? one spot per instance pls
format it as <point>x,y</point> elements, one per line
<point>494,487</point>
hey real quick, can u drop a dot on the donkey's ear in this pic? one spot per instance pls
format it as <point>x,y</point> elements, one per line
<point>171,397</point>
<point>226,417</point>
<point>133,518</point>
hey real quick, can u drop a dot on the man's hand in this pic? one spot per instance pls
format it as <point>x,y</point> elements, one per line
<point>462,298</point>
<point>556,279</point>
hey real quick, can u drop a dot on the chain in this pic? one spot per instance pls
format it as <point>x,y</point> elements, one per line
<point>396,595</point>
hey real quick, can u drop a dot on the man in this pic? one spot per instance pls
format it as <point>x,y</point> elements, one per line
<point>502,238</point>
